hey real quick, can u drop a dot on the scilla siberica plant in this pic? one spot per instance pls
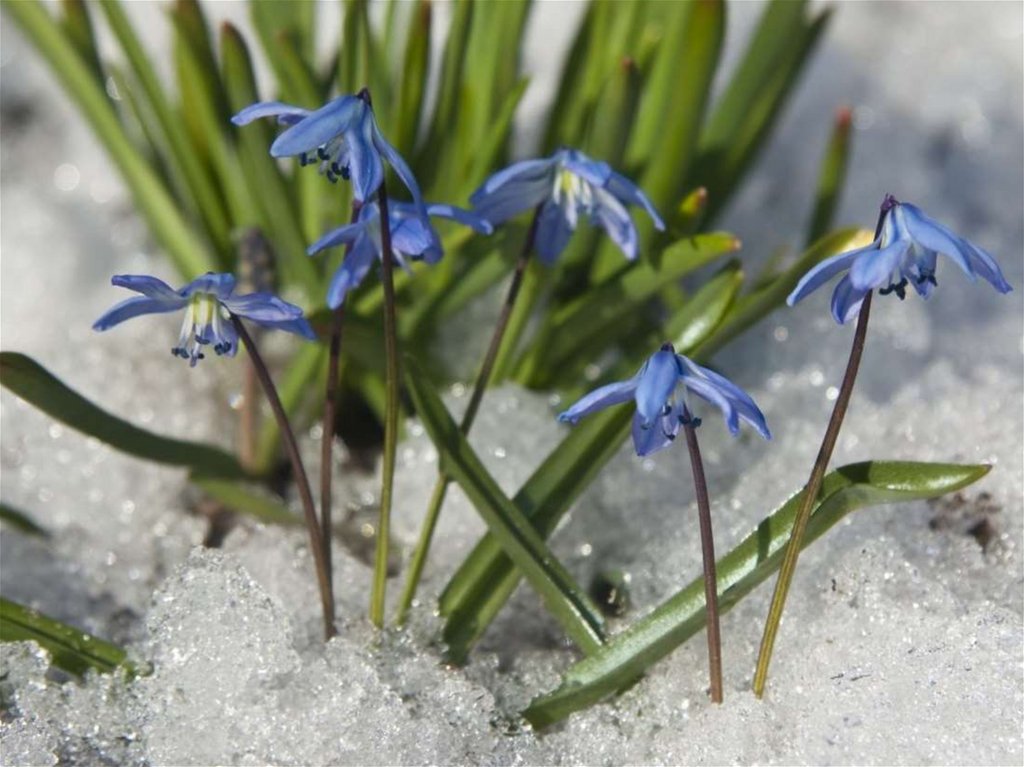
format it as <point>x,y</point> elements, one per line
<point>634,97</point>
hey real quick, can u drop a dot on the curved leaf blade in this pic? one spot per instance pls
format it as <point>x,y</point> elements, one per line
<point>29,380</point>
<point>70,649</point>
<point>625,658</point>
<point>565,599</point>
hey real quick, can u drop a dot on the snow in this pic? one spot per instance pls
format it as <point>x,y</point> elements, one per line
<point>902,641</point>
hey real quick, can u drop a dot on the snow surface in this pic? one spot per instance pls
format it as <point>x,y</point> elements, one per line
<point>903,637</point>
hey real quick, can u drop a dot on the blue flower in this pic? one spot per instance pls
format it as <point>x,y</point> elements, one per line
<point>904,253</point>
<point>566,185</point>
<point>344,137</point>
<point>658,412</point>
<point>412,237</point>
<point>206,301</point>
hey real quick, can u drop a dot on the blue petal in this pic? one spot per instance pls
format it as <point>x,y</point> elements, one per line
<point>218,284</point>
<point>268,109</point>
<point>930,234</point>
<point>602,397</point>
<point>134,307</point>
<point>553,233</point>
<point>700,380</point>
<point>627,191</point>
<point>343,235</point>
<point>262,307</point>
<point>595,172</point>
<point>523,172</point>
<point>658,381</point>
<point>351,272</point>
<point>463,217</point>
<point>825,271</point>
<point>846,300</point>
<point>299,326</point>
<point>414,237</point>
<point>319,127</point>
<point>148,286</point>
<point>658,435</point>
<point>874,269</point>
<point>615,220</point>
<point>511,199</point>
<point>985,265</point>
<point>365,165</point>
<point>401,167</point>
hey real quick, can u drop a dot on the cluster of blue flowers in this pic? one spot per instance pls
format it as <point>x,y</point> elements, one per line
<point>562,189</point>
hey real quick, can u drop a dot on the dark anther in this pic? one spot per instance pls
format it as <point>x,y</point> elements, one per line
<point>322,153</point>
<point>689,420</point>
<point>346,172</point>
<point>667,409</point>
<point>337,169</point>
<point>926,277</point>
<point>667,347</point>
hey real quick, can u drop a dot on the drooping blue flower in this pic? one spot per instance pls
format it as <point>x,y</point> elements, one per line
<point>412,238</point>
<point>567,185</point>
<point>658,412</point>
<point>206,301</point>
<point>904,253</point>
<point>342,135</point>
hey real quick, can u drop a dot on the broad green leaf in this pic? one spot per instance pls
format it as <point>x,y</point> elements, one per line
<point>190,254</point>
<point>831,176</point>
<point>566,601</point>
<point>21,521</point>
<point>577,333</point>
<point>70,649</point>
<point>487,578</point>
<point>623,660</point>
<point>245,499</point>
<point>26,378</point>
<point>698,317</point>
<point>751,308</point>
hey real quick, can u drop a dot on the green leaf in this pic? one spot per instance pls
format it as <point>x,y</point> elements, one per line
<point>751,308</point>
<point>413,86</point>
<point>26,378</point>
<point>279,214</point>
<point>70,649</point>
<point>831,176</point>
<point>77,25</point>
<point>566,601</point>
<point>19,520</point>
<point>246,499</point>
<point>627,656</point>
<point>160,210</point>
<point>698,317</point>
<point>577,333</point>
<point>747,112</point>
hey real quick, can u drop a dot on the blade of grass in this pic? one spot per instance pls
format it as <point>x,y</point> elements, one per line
<point>19,520</point>
<point>70,649</point>
<point>189,254</point>
<point>26,378</point>
<point>831,176</point>
<point>566,601</point>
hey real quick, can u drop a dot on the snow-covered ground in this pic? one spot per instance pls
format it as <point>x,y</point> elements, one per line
<point>903,637</point>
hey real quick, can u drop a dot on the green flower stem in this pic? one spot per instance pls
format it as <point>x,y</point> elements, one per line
<point>299,470</point>
<point>380,569</point>
<point>330,415</point>
<point>483,378</point>
<point>810,496</point>
<point>707,544</point>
